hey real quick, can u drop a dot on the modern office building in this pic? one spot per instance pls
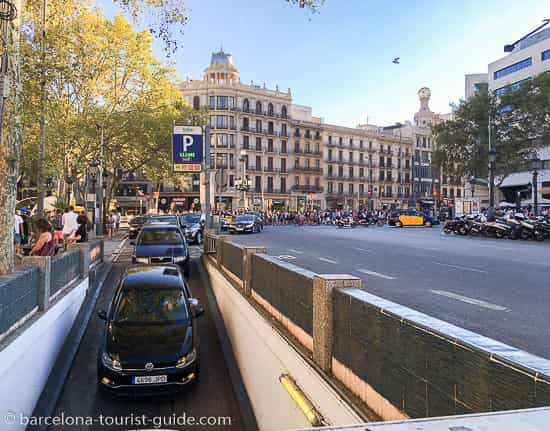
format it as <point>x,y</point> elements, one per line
<point>529,58</point>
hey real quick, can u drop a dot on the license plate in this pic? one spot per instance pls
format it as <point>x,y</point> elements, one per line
<point>149,380</point>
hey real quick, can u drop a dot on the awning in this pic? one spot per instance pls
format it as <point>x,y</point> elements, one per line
<point>517,179</point>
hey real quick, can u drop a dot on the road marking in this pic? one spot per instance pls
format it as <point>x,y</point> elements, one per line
<point>361,249</point>
<point>468,300</point>
<point>286,257</point>
<point>376,274</point>
<point>295,251</point>
<point>464,268</point>
<point>324,259</point>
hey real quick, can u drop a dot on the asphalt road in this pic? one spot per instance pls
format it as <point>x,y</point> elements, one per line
<point>499,288</point>
<point>212,398</point>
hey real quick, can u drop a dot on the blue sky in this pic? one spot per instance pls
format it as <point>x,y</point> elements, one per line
<point>340,60</point>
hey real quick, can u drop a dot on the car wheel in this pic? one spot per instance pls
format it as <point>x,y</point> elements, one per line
<point>398,223</point>
<point>198,239</point>
<point>447,231</point>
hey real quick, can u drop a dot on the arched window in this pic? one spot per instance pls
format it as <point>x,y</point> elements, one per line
<point>258,107</point>
<point>246,105</point>
<point>196,103</point>
<point>283,111</point>
<point>270,109</point>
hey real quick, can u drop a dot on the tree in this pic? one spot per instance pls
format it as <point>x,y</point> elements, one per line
<point>519,125</point>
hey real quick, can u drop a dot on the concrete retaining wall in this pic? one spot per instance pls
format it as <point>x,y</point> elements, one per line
<point>263,355</point>
<point>27,359</point>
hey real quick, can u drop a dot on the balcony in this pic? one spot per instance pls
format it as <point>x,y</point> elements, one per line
<point>276,191</point>
<point>307,169</point>
<point>317,137</point>
<point>334,194</point>
<point>336,177</point>
<point>306,188</point>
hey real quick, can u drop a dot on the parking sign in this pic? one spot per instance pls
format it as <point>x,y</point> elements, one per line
<point>187,151</point>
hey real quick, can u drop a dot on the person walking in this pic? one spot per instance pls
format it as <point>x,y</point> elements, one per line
<point>81,234</point>
<point>17,234</point>
<point>68,221</point>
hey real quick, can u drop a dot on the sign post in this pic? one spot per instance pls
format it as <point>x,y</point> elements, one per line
<point>187,149</point>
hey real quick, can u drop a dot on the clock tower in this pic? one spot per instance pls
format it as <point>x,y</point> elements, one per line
<point>424,116</point>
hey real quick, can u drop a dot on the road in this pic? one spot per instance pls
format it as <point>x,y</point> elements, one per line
<point>212,398</point>
<point>499,288</point>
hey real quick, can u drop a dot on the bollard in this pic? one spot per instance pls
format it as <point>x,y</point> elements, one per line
<point>323,314</point>
<point>45,266</point>
<point>247,267</point>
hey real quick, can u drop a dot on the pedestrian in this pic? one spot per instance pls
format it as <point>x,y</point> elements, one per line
<point>116,221</point>
<point>70,225</point>
<point>17,234</point>
<point>81,234</point>
<point>111,225</point>
<point>45,246</point>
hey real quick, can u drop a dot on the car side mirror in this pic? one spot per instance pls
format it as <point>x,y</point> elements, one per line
<point>102,314</point>
<point>193,302</point>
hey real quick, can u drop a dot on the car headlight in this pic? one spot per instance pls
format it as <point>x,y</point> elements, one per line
<point>111,362</point>
<point>142,260</point>
<point>250,225</point>
<point>187,359</point>
<point>179,259</point>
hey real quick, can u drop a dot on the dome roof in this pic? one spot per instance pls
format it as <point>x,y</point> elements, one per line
<point>221,58</point>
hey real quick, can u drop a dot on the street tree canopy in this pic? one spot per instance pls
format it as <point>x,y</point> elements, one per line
<point>519,126</point>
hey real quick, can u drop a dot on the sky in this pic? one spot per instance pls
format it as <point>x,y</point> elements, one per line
<point>339,61</point>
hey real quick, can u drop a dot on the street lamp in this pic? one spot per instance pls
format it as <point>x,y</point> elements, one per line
<point>93,169</point>
<point>536,165</point>
<point>492,159</point>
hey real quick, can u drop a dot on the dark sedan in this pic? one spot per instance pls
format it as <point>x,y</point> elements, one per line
<point>161,244</point>
<point>150,343</point>
<point>245,223</point>
<point>193,226</point>
<point>135,225</point>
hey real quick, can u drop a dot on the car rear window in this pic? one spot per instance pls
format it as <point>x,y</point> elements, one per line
<point>155,305</point>
<point>160,237</point>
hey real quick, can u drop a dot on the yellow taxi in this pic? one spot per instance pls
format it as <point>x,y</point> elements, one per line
<point>410,218</point>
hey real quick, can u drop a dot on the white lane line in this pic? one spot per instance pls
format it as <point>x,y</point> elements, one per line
<point>295,251</point>
<point>464,268</point>
<point>324,259</point>
<point>376,274</point>
<point>361,249</point>
<point>468,300</point>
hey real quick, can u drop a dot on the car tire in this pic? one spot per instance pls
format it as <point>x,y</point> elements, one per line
<point>447,231</point>
<point>198,239</point>
<point>398,223</point>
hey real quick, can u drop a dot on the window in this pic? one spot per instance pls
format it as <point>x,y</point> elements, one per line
<point>231,181</point>
<point>350,188</point>
<point>246,105</point>
<point>221,122</point>
<point>258,107</point>
<point>231,102</point>
<point>297,163</point>
<point>258,184</point>
<point>317,182</point>
<point>330,139</point>
<point>222,102</point>
<point>270,145</point>
<point>330,186</point>
<point>258,163</point>
<point>340,156</point>
<point>259,144</point>
<point>283,165</point>
<point>329,155</point>
<point>513,68</point>
<point>232,123</point>
<point>212,121</point>
<point>212,102</point>
<point>283,111</point>
<point>270,164</point>
<point>340,187</point>
<point>283,130</point>
<point>329,170</point>
<point>297,180</point>
<point>545,55</point>
<point>381,178</point>
<point>340,141</point>
<point>258,126</point>
<point>270,109</point>
<point>246,142</point>
<point>361,144</point>
<point>503,90</point>
<point>283,146</point>
<point>270,184</point>
<point>283,185</point>
<point>351,156</point>
<point>317,164</point>
<point>350,171</point>
<point>196,103</point>
<point>361,172</point>
<point>270,127</point>
<point>246,124</point>
<point>340,171</point>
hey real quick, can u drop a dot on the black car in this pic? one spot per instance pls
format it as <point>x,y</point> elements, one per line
<point>193,226</point>
<point>150,342</point>
<point>161,244</point>
<point>245,223</point>
<point>135,225</point>
<point>259,216</point>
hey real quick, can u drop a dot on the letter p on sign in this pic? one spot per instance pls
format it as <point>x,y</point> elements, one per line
<point>187,142</point>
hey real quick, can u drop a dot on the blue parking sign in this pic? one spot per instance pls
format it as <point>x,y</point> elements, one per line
<point>187,150</point>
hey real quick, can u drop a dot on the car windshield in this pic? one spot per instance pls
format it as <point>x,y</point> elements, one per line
<point>160,237</point>
<point>192,218</point>
<point>163,220</point>
<point>244,218</point>
<point>154,305</point>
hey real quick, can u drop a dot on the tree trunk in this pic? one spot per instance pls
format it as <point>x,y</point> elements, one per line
<point>10,146</point>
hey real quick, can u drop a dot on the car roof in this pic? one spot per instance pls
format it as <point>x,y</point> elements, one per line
<point>152,277</point>
<point>163,225</point>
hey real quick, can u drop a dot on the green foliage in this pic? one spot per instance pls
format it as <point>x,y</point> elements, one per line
<point>520,124</point>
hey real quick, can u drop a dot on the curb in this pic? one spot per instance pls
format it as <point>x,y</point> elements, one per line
<point>45,407</point>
